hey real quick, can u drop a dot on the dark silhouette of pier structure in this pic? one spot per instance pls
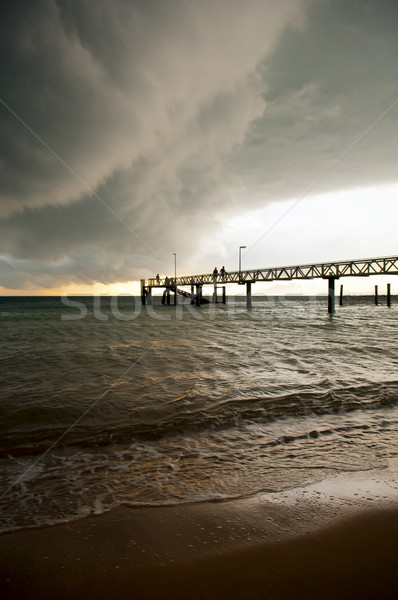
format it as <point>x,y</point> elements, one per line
<point>330,271</point>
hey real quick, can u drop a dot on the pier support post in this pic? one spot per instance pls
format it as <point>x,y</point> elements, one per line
<point>149,296</point>
<point>215,293</point>
<point>376,295</point>
<point>168,296</point>
<point>248,294</point>
<point>198,294</point>
<point>331,296</point>
<point>192,293</point>
<point>143,297</point>
<point>389,295</point>
<point>341,295</point>
<point>175,295</point>
<point>223,295</point>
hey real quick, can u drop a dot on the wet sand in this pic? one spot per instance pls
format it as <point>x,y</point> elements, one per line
<point>240,549</point>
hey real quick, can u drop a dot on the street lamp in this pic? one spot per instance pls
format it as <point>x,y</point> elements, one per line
<point>240,262</point>
<point>175,277</point>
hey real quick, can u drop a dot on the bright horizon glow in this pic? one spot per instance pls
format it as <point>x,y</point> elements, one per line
<point>353,286</point>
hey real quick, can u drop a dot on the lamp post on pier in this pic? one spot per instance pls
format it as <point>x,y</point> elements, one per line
<point>175,277</point>
<point>240,262</point>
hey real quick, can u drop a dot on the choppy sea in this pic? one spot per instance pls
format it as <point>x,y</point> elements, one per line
<point>106,402</point>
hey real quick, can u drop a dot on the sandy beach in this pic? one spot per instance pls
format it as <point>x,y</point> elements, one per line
<point>307,543</point>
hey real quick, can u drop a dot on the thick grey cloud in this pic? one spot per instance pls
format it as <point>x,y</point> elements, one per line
<point>325,87</point>
<point>177,115</point>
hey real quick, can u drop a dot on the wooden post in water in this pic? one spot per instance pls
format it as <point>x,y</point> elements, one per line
<point>168,296</point>
<point>223,295</point>
<point>198,294</point>
<point>215,292</point>
<point>192,293</point>
<point>248,294</point>
<point>143,298</point>
<point>389,295</point>
<point>341,295</point>
<point>376,295</point>
<point>331,296</point>
<point>149,296</point>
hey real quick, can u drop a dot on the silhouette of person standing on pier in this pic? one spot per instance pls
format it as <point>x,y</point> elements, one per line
<point>222,272</point>
<point>215,274</point>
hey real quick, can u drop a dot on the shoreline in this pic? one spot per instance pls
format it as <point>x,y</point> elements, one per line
<point>345,529</point>
<point>340,495</point>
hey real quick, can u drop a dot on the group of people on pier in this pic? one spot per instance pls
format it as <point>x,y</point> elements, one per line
<point>222,273</point>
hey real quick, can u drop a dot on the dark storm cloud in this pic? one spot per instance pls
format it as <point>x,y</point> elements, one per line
<point>178,114</point>
<point>325,87</point>
<point>105,84</point>
<point>143,101</point>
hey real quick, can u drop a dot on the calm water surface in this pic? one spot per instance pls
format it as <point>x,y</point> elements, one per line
<point>152,405</point>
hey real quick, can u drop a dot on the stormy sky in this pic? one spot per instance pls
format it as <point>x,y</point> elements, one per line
<point>132,129</point>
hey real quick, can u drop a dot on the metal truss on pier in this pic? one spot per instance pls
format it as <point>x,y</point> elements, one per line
<point>349,268</point>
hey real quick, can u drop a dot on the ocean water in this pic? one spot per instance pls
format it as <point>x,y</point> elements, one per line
<point>104,402</point>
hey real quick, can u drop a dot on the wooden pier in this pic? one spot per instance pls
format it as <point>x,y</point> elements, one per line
<point>330,271</point>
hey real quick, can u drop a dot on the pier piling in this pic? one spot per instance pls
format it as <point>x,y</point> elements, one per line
<point>389,295</point>
<point>331,296</point>
<point>376,295</point>
<point>198,294</point>
<point>341,295</point>
<point>143,299</point>
<point>248,294</point>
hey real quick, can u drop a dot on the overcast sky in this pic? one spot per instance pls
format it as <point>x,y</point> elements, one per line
<point>132,129</point>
